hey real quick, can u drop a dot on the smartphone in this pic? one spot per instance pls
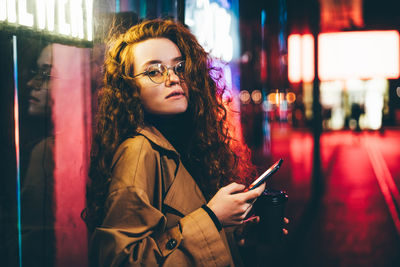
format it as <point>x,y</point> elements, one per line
<point>261,179</point>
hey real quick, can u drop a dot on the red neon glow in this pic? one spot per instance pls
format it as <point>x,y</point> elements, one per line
<point>70,152</point>
<point>385,179</point>
<point>300,58</point>
<point>307,53</point>
<point>294,58</point>
<point>362,55</point>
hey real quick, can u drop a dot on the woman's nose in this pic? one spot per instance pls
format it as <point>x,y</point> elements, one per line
<point>172,78</point>
<point>33,83</point>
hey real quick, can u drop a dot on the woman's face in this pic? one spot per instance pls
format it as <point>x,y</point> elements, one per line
<point>170,96</point>
<point>39,100</point>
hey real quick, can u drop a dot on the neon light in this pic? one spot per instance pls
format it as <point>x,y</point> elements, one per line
<point>40,14</point>
<point>78,24</point>
<point>76,13</point>
<point>294,58</point>
<point>63,27</point>
<point>11,11</point>
<point>3,10</point>
<point>45,12</point>
<point>223,44</point>
<point>363,55</point>
<point>50,7</point>
<point>89,19</point>
<point>117,6</point>
<point>263,18</point>
<point>17,155</point>
<point>307,56</point>
<point>300,58</point>
<point>211,24</point>
<point>24,17</point>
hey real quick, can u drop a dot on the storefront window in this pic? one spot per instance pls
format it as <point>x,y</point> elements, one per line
<point>50,73</point>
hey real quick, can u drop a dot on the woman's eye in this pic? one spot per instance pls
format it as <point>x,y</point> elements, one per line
<point>154,72</point>
<point>180,68</point>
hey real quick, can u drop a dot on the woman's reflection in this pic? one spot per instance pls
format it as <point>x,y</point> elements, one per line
<point>37,216</point>
<point>39,101</point>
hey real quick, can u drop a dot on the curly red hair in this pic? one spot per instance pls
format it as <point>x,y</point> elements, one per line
<point>215,158</point>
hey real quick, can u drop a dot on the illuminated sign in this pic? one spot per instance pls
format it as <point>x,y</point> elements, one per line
<point>362,55</point>
<point>301,58</point>
<point>344,55</point>
<point>211,23</point>
<point>70,18</point>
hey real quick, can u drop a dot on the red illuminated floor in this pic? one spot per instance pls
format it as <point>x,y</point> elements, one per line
<point>357,220</point>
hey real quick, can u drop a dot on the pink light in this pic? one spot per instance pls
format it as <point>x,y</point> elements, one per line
<point>307,52</point>
<point>362,55</point>
<point>300,58</point>
<point>70,152</point>
<point>294,58</point>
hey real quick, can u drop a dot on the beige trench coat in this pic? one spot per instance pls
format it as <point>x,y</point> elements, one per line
<point>153,211</point>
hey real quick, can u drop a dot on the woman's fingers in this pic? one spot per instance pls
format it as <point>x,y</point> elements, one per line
<point>250,196</point>
<point>233,188</point>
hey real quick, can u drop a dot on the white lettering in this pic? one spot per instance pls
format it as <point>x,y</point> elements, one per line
<point>24,17</point>
<point>45,13</point>
<point>76,13</point>
<point>63,27</point>
<point>3,10</point>
<point>11,11</point>
<point>89,19</point>
<point>50,14</point>
<point>40,14</point>
<point>74,17</point>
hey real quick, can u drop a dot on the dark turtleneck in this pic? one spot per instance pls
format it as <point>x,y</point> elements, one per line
<point>177,129</point>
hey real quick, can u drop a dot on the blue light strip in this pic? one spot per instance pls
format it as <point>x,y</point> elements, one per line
<point>16,121</point>
<point>263,17</point>
<point>117,6</point>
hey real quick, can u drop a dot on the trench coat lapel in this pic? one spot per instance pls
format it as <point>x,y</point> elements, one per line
<point>184,195</point>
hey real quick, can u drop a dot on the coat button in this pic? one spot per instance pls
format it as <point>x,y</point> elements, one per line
<point>171,244</point>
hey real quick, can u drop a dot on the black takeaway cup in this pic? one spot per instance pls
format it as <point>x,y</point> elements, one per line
<point>270,207</point>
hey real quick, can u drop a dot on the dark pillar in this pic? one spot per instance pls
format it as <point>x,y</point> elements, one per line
<point>318,183</point>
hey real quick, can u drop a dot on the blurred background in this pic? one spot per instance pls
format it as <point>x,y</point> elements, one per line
<point>313,82</point>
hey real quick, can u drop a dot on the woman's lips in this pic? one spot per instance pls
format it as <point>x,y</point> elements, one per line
<point>33,99</point>
<point>177,93</point>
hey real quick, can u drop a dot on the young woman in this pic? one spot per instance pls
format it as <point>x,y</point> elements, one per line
<point>162,166</point>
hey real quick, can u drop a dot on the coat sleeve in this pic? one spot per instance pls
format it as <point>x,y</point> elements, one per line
<point>134,231</point>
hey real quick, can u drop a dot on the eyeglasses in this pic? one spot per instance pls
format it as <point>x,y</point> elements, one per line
<point>42,74</point>
<point>39,77</point>
<point>158,73</point>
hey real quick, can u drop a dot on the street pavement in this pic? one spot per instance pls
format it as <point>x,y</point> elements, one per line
<point>355,220</point>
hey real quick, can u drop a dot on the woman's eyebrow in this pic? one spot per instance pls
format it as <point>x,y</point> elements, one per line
<point>157,61</point>
<point>150,62</point>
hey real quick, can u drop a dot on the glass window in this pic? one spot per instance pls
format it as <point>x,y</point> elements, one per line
<point>50,73</point>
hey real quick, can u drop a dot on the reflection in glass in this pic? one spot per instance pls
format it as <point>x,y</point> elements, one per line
<point>37,217</point>
<point>55,126</point>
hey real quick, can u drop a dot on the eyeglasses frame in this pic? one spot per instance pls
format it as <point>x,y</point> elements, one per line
<point>167,71</point>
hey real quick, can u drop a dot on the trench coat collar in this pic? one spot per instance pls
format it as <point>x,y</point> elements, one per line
<point>176,198</point>
<point>156,137</point>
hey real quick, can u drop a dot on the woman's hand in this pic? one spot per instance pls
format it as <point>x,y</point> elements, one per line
<point>231,205</point>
